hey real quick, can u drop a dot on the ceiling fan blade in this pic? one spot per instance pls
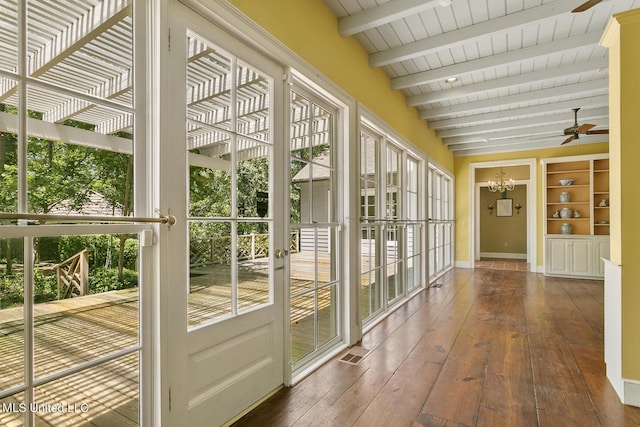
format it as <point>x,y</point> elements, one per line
<point>568,140</point>
<point>586,5</point>
<point>597,132</point>
<point>584,128</point>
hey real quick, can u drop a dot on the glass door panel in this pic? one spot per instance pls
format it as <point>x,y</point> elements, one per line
<point>313,261</point>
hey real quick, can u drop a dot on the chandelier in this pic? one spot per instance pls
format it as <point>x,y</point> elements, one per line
<point>500,184</point>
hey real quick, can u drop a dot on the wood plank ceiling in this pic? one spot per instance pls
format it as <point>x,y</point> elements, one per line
<point>521,65</point>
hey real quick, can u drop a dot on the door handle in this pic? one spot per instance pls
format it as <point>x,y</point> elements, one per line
<point>281,253</point>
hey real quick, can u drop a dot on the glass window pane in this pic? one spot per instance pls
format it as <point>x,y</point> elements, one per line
<point>9,35</point>
<point>253,103</point>
<point>254,272</point>
<point>11,313</point>
<point>253,179</point>
<point>303,322</point>
<point>8,157</point>
<point>208,95</point>
<point>85,48</point>
<point>210,273</point>
<point>301,132</point>
<point>80,166</point>
<point>299,192</point>
<point>326,239</point>
<point>328,309</point>
<point>302,271</point>
<point>106,394</point>
<point>86,299</point>
<point>210,190</point>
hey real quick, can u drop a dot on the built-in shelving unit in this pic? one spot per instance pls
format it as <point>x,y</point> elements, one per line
<point>584,206</point>
<point>601,196</point>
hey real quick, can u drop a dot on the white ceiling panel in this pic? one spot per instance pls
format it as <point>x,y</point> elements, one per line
<point>521,65</point>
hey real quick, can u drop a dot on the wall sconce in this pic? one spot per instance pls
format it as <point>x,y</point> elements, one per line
<point>517,207</point>
<point>490,207</point>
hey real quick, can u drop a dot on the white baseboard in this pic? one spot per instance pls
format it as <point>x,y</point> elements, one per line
<point>463,264</point>
<point>503,255</point>
<point>631,392</point>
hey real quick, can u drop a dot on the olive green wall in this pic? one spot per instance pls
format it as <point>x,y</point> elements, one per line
<point>503,234</point>
<point>310,30</point>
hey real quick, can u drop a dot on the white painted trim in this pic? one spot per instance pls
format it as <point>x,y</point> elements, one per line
<point>613,325</point>
<point>504,255</point>
<point>463,264</point>
<point>631,392</point>
<point>532,212</point>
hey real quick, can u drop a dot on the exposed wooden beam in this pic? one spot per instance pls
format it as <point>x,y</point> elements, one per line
<point>490,62</point>
<point>508,82</point>
<point>455,38</point>
<point>383,14</point>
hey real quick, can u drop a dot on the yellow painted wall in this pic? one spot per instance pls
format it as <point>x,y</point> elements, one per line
<point>461,171</point>
<point>310,29</point>
<point>622,38</point>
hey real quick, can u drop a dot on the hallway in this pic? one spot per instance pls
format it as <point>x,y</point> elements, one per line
<point>487,348</point>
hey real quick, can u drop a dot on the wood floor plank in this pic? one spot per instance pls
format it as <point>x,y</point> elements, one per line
<point>484,348</point>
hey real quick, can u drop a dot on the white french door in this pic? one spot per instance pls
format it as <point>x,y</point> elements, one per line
<point>223,262</point>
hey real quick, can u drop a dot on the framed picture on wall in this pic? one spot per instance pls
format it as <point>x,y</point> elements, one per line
<point>504,207</point>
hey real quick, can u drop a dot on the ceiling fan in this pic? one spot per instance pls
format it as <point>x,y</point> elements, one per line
<point>577,129</point>
<point>586,5</point>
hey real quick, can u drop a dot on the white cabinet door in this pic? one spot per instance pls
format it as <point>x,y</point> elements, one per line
<point>580,257</point>
<point>558,256</point>
<point>601,248</point>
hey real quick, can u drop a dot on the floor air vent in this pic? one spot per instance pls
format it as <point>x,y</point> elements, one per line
<point>354,355</point>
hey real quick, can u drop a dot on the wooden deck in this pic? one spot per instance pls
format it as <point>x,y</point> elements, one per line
<point>486,348</point>
<point>67,333</point>
<point>76,330</point>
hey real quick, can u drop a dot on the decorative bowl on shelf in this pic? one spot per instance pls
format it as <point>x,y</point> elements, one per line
<point>603,221</point>
<point>568,181</point>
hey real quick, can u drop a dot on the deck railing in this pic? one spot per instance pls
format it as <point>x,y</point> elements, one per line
<point>217,250</point>
<point>73,275</point>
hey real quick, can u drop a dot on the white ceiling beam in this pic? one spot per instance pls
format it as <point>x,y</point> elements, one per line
<point>501,135</point>
<point>487,118</point>
<point>383,14</point>
<point>519,144</point>
<point>67,134</point>
<point>490,62</point>
<point>455,38</point>
<point>585,115</point>
<point>528,97</point>
<point>508,82</point>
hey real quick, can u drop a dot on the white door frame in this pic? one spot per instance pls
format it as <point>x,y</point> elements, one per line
<point>532,208</point>
<point>209,372</point>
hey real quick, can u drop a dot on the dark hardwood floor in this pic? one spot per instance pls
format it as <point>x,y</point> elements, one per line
<point>487,348</point>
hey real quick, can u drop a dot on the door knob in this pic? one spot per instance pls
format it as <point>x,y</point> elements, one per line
<point>280,253</point>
